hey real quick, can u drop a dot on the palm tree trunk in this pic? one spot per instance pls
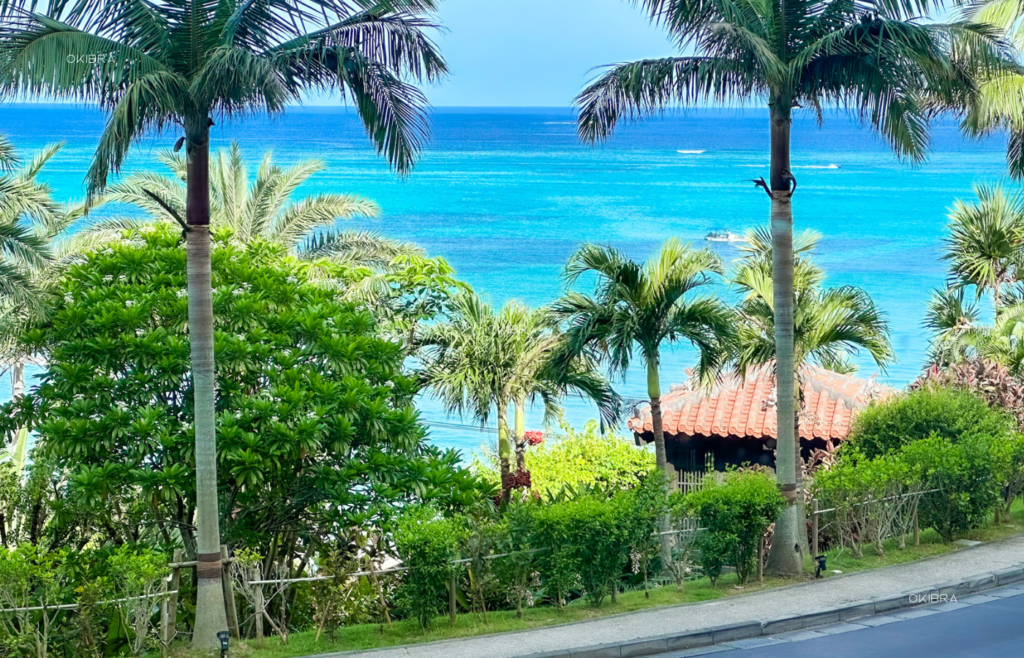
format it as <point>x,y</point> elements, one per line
<point>211,617</point>
<point>504,451</point>
<point>661,456</point>
<point>520,434</point>
<point>17,379</point>
<point>785,557</point>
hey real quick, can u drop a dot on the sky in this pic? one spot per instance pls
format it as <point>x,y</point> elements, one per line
<point>535,53</point>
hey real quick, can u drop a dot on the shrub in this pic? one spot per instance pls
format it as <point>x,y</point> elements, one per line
<point>136,574</point>
<point>872,499</point>
<point>517,570</point>
<point>579,459</point>
<point>588,544</point>
<point>954,414</point>
<point>735,514</point>
<point>966,474</point>
<point>427,544</point>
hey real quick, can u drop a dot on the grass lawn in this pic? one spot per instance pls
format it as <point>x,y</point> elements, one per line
<point>370,636</point>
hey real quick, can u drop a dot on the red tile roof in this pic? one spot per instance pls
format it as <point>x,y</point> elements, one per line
<point>746,408</point>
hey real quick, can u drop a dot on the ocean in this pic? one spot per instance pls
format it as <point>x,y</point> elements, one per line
<point>507,194</point>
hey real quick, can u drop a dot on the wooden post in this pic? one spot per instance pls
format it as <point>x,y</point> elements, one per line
<point>917,530</point>
<point>171,626</point>
<point>164,629</point>
<point>229,594</point>
<point>760,560</point>
<point>259,605</point>
<point>814,527</point>
<point>451,599</point>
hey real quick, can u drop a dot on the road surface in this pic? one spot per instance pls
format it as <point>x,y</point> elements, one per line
<point>989,625</point>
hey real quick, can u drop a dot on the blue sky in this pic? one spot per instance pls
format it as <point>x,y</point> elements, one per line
<point>536,53</point>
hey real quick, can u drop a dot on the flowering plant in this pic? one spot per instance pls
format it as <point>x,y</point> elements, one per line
<point>534,438</point>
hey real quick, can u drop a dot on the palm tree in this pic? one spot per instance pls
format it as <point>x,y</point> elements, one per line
<point>53,236</point>
<point>997,105</point>
<point>265,208</point>
<point>645,306</point>
<point>986,241</point>
<point>873,56</point>
<point>952,320</point>
<point>829,324</point>
<point>22,200</point>
<point>481,362</point>
<point>179,64</point>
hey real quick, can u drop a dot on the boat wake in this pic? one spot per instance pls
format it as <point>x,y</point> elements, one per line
<point>694,152</point>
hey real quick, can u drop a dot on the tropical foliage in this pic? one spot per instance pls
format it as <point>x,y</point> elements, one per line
<point>263,207</point>
<point>317,428</point>
<point>482,361</point>
<point>578,459</point>
<point>181,64</point>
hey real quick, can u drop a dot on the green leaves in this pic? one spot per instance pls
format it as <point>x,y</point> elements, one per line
<point>735,514</point>
<point>316,425</point>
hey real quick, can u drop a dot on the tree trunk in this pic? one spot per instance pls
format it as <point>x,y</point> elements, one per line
<point>785,557</point>
<point>17,379</point>
<point>211,617</point>
<point>520,434</point>
<point>504,451</point>
<point>661,456</point>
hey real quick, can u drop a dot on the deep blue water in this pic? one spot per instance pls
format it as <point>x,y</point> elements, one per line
<point>506,195</point>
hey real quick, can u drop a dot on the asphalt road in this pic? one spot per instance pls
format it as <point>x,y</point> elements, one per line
<point>990,625</point>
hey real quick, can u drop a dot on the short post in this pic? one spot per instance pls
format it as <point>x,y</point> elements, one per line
<point>814,527</point>
<point>760,560</point>
<point>164,618</point>
<point>170,629</point>
<point>259,605</point>
<point>451,599</point>
<point>917,530</point>
<point>229,594</point>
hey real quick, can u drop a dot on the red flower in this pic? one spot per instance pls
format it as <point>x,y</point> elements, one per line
<point>534,438</point>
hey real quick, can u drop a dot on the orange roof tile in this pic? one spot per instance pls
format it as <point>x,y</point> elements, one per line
<point>737,407</point>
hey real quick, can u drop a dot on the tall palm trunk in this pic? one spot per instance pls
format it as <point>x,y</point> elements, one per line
<point>504,450</point>
<point>520,434</point>
<point>786,556</point>
<point>211,617</point>
<point>661,456</point>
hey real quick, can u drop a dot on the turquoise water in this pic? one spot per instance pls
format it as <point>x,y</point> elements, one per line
<point>506,195</point>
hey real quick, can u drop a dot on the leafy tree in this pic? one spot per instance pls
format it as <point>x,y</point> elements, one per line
<point>180,64</point>
<point>644,306</point>
<point>877,58</point>
<point>318,433</point>
<point>884,427</point>
<point>481,362</point>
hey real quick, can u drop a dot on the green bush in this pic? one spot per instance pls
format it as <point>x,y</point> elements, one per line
<point>427,544</point>
<point>579,459</point>
<point>872,499</point>
<point>735,513</point>
<point>954,414</point>
<point>966,473</point>
<point>587,541</point>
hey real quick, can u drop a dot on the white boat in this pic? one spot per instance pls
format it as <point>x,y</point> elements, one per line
<point>724,236</point>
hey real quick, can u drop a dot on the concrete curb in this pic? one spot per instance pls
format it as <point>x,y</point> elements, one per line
<point>719,634</point>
